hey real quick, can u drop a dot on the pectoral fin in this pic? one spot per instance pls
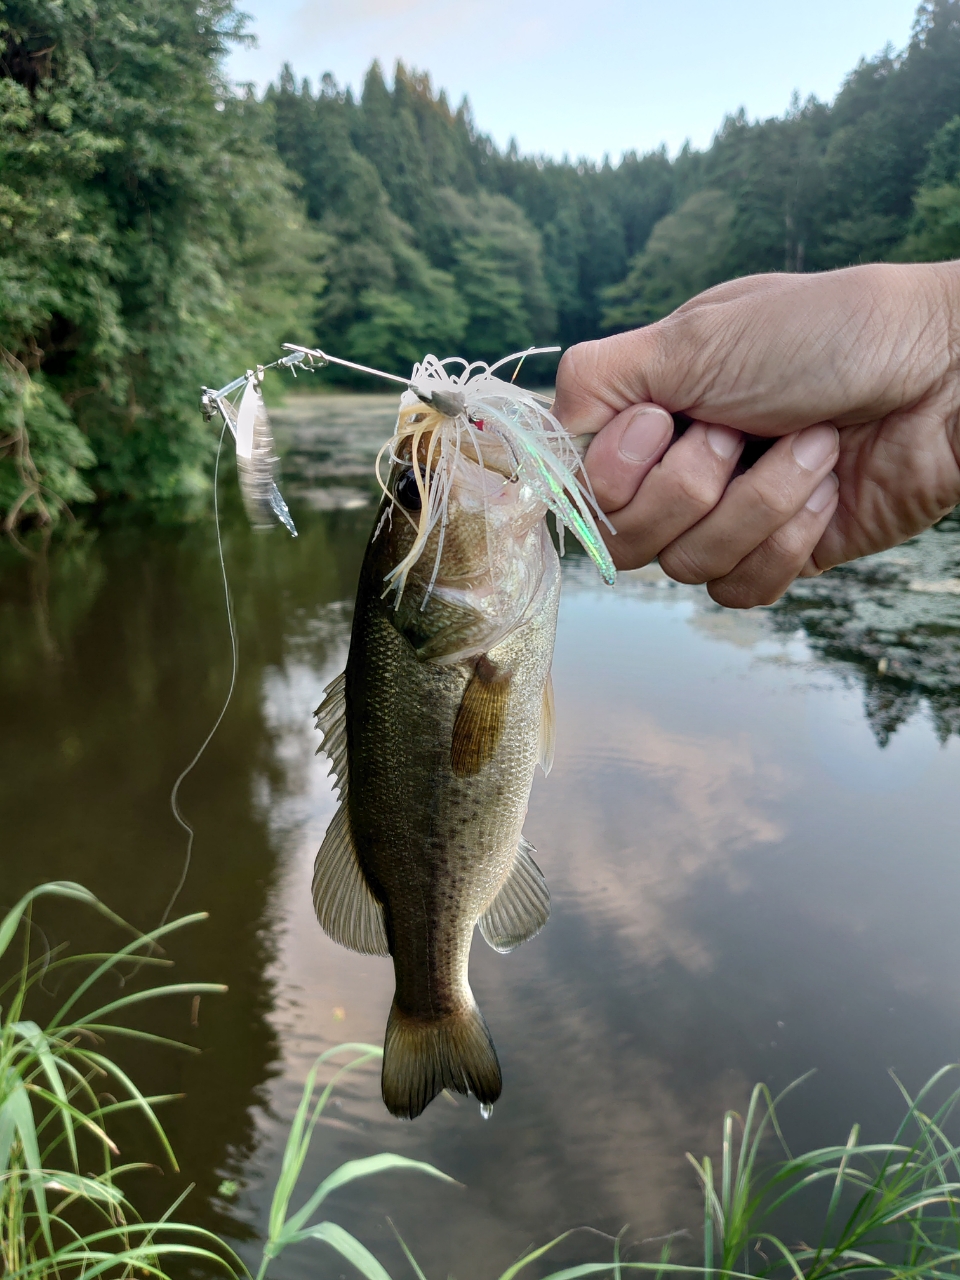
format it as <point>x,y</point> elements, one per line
<point>521,908</point>
<point>548,726</point>
<point>481,719</point>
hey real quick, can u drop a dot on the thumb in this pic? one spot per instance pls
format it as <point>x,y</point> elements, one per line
<point>598,380</point>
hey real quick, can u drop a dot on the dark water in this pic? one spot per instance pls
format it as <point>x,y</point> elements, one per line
<point>750,834</point>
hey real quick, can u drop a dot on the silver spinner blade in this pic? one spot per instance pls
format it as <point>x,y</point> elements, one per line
<point>257,459</point>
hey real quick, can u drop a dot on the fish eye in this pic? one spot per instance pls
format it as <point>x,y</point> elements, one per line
<point>407,492</point>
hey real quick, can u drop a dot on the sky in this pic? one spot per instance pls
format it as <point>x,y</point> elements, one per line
<point>584,78</point>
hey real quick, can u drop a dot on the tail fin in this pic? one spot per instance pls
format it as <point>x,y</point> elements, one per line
<point>421,1058</point>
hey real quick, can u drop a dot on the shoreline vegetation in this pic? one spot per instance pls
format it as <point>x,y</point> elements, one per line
<point>160,228</point>
<point>887,1209</point>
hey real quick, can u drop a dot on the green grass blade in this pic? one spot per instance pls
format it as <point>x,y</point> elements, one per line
<point>298,1140</point>
<point>414,1265</point>
<point>726,1162</point>
<point>30,1033</point>
<point>141,1103</point>
<point>532,1256</point>
<point>53,888</point>
<point>786,1254</point>
<point>114,958</point>
<point>709,1196</point>
<point>139,997</point>
<point>350,1171</point>
<point>134,1033</point>
<point>68,1112</point>
<point>348,1247</point>
<point>77,1184</point>
<point>139,1259</point>
<point>8,1124</point>
<point>294,1154</point>
<point>17,1103</point>
<point>595,1269</point>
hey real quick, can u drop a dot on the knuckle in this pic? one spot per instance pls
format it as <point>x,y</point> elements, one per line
<point>775,500</point>
<point>630,557</point>
<point>677,563</point>
<point>696,491</point>
<point>740,592</point>
<point>632,548</point>
<point>790,545</point>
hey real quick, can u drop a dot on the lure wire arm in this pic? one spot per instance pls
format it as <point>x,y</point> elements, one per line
<point>320,358</point>
<point>210,400</point>
<point>451,405</point>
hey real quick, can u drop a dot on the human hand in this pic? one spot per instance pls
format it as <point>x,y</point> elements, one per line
<point>858,371</point>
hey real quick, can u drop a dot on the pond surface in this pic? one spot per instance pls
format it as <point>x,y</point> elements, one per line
<point>750,835</point>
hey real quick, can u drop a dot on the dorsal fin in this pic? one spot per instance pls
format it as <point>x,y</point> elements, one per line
<point>548,726</point>
<point>521,908</point>
<point>346,907</point>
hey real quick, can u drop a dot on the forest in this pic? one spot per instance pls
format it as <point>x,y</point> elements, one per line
<point>161,228</point>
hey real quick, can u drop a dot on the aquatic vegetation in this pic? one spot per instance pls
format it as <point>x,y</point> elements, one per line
<point>287,1228</point>
<point>891,1209</point>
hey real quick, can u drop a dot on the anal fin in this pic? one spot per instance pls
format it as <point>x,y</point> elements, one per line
<point>521,908</point>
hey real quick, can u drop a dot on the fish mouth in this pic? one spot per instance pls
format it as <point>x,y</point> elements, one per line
<point>498,461</point>
<point>420,428</point>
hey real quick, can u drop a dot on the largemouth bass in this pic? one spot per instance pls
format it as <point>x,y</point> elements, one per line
<point>435,728</point>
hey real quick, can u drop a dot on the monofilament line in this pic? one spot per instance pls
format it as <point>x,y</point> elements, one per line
<point>175,790</point>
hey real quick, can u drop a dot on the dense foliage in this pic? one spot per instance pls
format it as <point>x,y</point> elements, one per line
<point>158,229</point>
<point>148,241</point>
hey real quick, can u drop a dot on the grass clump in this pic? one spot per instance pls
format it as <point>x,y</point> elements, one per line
<point>62,1207</point>
<point>887,1210</point>
<point>891,1210</point>
<point>58,1091</point>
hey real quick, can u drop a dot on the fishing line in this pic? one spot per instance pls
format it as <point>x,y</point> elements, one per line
<point>234,654</point>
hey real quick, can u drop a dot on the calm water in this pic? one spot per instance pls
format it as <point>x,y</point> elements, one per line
<point>750,835</point>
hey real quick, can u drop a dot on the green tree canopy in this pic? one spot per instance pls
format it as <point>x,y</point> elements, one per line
<point>160,228</point>
<point>150,241</point>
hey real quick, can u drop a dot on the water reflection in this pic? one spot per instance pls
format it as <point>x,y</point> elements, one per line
<point>745,885</point>
<point>894,620</point>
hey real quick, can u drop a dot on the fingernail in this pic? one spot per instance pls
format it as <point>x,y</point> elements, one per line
<point>723,441</point>
<point>644,434</point>
<point>823,493</point>
<point>813,447</point>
